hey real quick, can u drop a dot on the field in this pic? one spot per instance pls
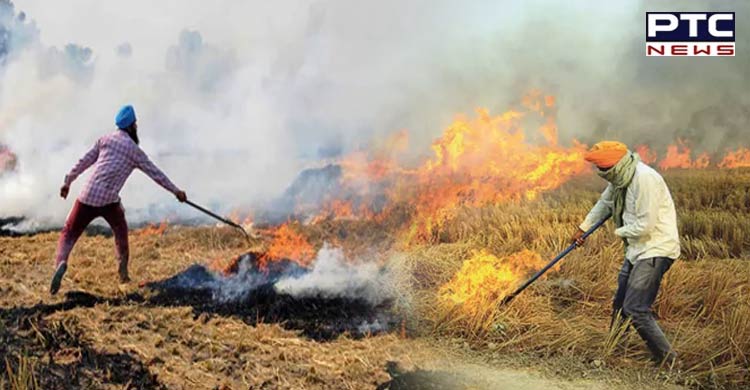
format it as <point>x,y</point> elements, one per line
<point>703,304</point>
<point>105,335</point>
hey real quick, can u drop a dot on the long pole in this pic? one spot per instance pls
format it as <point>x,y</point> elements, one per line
<point>554,261</point>
<point>219,217</point>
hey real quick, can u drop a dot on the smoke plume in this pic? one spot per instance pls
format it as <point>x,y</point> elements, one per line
<point>235,98</point>
<point>330,276</point>
<point>333,276</point>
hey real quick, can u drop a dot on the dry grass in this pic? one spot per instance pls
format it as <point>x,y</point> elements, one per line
<point>182,350</point>
<point>21,376</point>
<point>704,304</point>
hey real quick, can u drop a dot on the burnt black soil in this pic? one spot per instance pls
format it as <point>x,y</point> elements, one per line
<point>316,317</point>
<point>25,333</point>
<point>7,224</point>
<point>61,358</point>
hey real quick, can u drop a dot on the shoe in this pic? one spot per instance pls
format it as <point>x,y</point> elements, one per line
<point>57,278</point>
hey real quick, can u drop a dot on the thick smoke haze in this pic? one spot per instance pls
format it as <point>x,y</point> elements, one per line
<point>234,98</point>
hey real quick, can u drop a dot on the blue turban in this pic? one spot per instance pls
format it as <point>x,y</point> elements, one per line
<point>125,117</point>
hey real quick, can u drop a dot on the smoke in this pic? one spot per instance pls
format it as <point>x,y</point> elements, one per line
<point>236,287</point>
<point>330,276</point>
<point>333,276</point>
<point>234,99</point>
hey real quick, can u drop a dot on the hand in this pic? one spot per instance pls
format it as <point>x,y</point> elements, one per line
<point>578,237</point>
<point>64,190</point>
<point>181,196</point>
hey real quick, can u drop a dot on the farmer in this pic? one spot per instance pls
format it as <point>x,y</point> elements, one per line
<point>645,217</point>
<point>114,157</point>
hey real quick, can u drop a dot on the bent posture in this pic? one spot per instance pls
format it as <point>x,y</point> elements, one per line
<point>114,157</point>
<point>645,217</point>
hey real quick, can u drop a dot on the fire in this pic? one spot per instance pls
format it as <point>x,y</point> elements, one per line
<point>243,218</point>
<point>287,243</point>
<point>477,160</point>
<point>480,160</point>
<point>484,280</point>
<point>648,156</point>
<point>153,229</point>
<point>487,160</point>
<point>341,209</point>
<point>679,156</point>
<point>702,161</point>
<point>739,158</point>
<point>223,265</point>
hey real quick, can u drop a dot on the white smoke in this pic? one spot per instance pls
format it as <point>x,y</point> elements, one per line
<point>236,287</point>
<point>233,98</point>
<point>334,276</point>
<point>330,276</point>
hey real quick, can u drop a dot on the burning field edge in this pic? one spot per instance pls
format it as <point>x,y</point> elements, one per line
<point>364,257</point>
<point>192,336</point>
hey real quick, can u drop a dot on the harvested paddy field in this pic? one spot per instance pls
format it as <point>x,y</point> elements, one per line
<point>101,334</point>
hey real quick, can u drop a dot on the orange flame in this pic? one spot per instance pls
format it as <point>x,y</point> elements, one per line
<point>224,266</point>
<point>485,279</point>
<point>153,229</point>
<point>739,158</point>
<point>678,156</point>
<point>648,156</point>
<point>476,161</point>
<point>287,243</point>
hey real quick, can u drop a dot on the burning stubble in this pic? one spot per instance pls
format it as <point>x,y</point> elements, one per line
<point>331,296</point>
<point>330,275</point>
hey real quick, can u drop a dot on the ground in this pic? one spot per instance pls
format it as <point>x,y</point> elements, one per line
<point>98,333</point>
<point>117,342</point>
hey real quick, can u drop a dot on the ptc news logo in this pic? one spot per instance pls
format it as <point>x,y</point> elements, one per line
<point>690,34</point>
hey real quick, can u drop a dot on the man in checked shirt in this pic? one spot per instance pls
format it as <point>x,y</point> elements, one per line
<point>114,156</point>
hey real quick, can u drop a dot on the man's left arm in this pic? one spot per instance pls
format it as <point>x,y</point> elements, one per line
<point>647,193</point>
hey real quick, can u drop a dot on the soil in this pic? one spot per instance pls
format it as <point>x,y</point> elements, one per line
<point>98,334</point>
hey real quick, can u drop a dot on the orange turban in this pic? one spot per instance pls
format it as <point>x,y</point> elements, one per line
<point>606,154</point>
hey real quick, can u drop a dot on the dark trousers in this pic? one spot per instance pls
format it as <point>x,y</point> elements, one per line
<point>80,217</point>
<point>637,287</point>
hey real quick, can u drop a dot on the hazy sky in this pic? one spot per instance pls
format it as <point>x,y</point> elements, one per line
<point>234,97</point>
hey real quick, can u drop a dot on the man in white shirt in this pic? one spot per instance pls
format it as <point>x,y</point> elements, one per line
<point>645,217</point>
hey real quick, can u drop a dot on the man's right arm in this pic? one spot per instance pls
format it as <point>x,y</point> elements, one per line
<point>84,163</point>
<point>600,210</point>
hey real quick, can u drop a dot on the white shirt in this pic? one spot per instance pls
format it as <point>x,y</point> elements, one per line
<point>649,219</point>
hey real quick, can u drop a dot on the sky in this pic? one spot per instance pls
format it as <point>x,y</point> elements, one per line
<point>235,97</point>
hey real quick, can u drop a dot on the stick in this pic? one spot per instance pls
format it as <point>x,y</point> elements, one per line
<point>220,218</point>
<point>554,261</point>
